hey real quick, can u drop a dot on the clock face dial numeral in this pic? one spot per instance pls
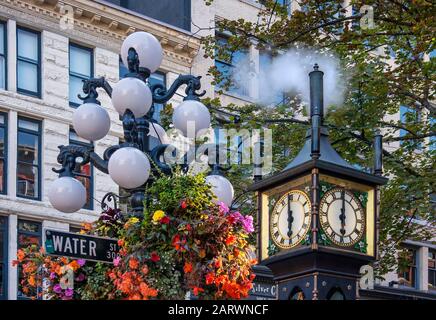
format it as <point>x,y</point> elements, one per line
<point>290,219</point>
<point>342,217</point>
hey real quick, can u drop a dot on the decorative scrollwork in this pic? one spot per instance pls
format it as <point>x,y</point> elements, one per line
<point>90,89</point>
<point>111,197</point>
<point>162,95</point>
<point>67,158</point>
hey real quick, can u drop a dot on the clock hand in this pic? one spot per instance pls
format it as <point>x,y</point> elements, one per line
<point>342,215</point>
<point>290,217</point>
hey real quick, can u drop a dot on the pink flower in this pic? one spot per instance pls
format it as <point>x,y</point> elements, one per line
<point>247,224</point>
<point>117,261</point>
<point>69,292</point>
<point>81,262</point>
<point>57,288</point>
<point>52,275</point>
<point>223,207</point>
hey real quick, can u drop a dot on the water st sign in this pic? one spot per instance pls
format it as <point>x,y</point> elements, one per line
<point>80,246</point>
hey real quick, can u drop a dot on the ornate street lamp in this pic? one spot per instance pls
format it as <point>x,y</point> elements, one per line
<point>128,163</point>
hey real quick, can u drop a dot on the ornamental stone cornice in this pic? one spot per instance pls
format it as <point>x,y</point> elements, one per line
<point>105,25</point>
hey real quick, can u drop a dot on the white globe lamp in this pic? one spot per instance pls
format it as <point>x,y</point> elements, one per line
<point>191,115</point>
<point>221,188</point>
<point>129,167</point>
<point>133,94</point>
<point>67,194</point>
<point>91,121</point>
<point>147,47</point>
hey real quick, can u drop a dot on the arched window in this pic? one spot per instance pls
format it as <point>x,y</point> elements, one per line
<point>335,294</point>
<point>297,294</point>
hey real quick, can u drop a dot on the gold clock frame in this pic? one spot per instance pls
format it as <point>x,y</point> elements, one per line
<point>272,216</point>
<point>359,204</point>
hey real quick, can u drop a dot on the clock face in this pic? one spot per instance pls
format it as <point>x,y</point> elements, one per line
<point>290,219</point>
<point>342,217</point>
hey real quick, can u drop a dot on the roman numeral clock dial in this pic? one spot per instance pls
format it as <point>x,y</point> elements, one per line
<point>290,219</point>
<point>342,217</point>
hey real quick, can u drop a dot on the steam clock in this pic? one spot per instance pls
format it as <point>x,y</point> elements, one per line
<point>318,218</point>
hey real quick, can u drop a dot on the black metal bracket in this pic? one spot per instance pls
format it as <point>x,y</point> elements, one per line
<point>90,89</point>
<point>193,84</point>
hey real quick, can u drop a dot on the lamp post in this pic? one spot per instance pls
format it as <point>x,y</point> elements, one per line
<point>128,163</point>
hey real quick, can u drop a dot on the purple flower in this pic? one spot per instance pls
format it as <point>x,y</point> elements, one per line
<point>57,288</point>
<point>52,275</point>
<point>247,224</point>
<point>81,262</point>
<point>117,261</point>
<point>80,277</point>
<point>69,292</point>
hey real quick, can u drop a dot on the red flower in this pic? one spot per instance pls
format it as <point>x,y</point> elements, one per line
<point>133,263</point>
<point>165,220</point>
<point>178,244</point>
<point>218,263</point>
<point>188,227</point>
<point>154,257</point>
<point>188,267</point>
<point>197,290</point>
<point>231,239</point>
<point>183,204</point>
<point>120,242</point>
<point>210,278</point>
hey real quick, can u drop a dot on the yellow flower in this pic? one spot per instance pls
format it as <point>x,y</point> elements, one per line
<point>133,220</point>
<point>158,215</point>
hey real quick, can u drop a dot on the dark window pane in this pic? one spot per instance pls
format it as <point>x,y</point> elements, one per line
<point>176,13</point>
<point>2,142</point>
<point>28,125</point>
<point>27,180</point>
<point>28,147</point>
<point>2,38</point>
<point>2,72</point>
<point>27,76</point>
<point>27,45</point>
<point>29,226</point>
<point>2,177</point>
<point>80,61</point>
<point>87,184</point>
<point>76,86</point>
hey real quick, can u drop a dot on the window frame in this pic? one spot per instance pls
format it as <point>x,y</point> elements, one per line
<point>78,75</point>
<point>38,63</point>
<point>5,260</point>
<point>39,123</point>
<point>5,153</point>
<point>5,54</point>
<point>412,269</point>
<point>432,269</point>
<point>29,233</point>
<point>242,92</point>
<point>91,176</point>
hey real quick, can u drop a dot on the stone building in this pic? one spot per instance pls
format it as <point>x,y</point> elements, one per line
<point>46,48</point>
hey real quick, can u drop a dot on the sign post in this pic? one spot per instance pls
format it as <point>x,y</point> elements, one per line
<point>81,246</point>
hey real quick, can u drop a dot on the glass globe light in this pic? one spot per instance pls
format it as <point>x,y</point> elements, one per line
<point>156,131</point>
<point>133,94</point>
<point>147,47</point>
<point>129,167</point>
<point>221,188</point>
<point>191,113</point>
<point>67,194</point>
<point>91,121</point>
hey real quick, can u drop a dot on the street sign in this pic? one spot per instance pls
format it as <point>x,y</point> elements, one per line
<point>80,246</point>
<point>263,291</point>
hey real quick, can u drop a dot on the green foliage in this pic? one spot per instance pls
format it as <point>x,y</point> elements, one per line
<point>387,66</point>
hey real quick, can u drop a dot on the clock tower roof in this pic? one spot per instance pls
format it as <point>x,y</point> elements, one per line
<point>327,153</point>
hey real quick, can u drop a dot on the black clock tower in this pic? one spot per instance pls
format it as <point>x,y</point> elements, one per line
<point>318,218</point>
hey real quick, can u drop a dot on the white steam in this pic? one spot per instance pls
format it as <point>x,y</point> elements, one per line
<point>289,73</point>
